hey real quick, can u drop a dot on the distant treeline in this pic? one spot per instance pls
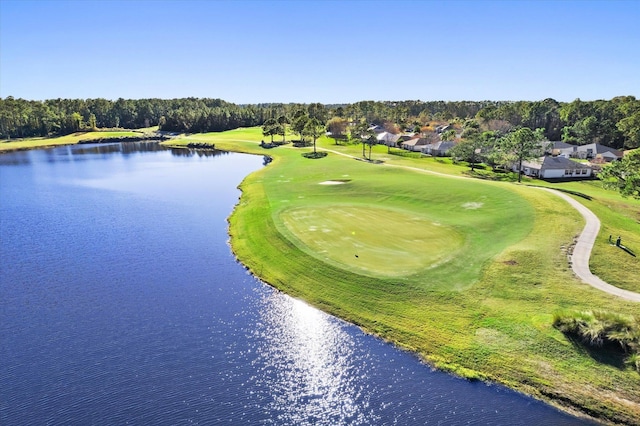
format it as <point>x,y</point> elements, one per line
<point>614,122</point>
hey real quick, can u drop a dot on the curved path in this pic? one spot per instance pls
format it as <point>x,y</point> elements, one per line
<point>581,251</point>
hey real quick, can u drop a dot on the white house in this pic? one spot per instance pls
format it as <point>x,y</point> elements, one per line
<point>438,149</point>
<point>584,152</point>
<point>558,148</point>
<point>555,167</point>
<point>388,139</point>
<point>593,150</point>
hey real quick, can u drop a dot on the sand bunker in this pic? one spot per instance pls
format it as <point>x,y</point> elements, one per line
<point>472,206</point>
<point>334,182</point>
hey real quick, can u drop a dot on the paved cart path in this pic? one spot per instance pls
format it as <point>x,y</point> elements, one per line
<point>582,251</point>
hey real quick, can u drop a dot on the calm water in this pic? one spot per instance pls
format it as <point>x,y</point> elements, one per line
<point>122,304</point>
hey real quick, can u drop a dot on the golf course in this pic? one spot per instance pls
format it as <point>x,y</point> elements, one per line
<point>467,270</point>
<point>465,273</point>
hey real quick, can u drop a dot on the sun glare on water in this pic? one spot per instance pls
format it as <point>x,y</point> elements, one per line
<point>308,359</point>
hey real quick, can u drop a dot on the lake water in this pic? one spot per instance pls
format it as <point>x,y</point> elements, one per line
<point>121,303</point>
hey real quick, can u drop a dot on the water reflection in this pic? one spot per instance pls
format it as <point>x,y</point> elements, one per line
<point>307,363</point>
<point>16,158</point>
<point>75,152</point>
<point>190,152</point>
<point>125,148</point>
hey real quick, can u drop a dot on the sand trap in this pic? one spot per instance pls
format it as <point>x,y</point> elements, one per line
<point>333,182</point>
<point>472,206</point>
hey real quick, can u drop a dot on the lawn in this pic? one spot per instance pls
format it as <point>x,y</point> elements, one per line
<point>342,234</point>
<point>466,273</point>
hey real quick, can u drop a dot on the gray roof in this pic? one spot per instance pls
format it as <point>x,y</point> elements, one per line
<point>557,145</point>
<point>554,163</point>
<point>442,145</point>
<point>597,148</point>
<point>417,141</point>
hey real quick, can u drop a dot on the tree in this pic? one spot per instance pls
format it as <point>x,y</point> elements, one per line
<point>317,110</point>
<point>299,123</point>
<point>623,175</point>
<point>474,147</point>
<point>314,128</point>
<point>521,145</point>
<point>283,120</point>
<point>270,128</point>
<point>366,136</point>
<point>92,122</point>
<point>371,141</point>
<point>448,135</point>
<point>337,126</point>
<point>630,128</point>
<point>586,130</point>
<point>75,122</point>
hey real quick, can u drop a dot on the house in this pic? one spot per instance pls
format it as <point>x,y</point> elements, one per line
<point>558,148</point>
<point>588,151</point>
<point>438,149</point>
<point>594,150</point>
<point>555,167</point>
<point>415,144</point>
<point>406,136</point>
<point>388,139</point>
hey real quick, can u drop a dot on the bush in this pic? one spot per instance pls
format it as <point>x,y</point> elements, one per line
<point>601,329</point>
<point>314,155</point>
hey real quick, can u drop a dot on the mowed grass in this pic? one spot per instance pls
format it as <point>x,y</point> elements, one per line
<point>360,238</point>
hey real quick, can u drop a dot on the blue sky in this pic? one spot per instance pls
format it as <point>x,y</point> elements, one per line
<point>320,51</point>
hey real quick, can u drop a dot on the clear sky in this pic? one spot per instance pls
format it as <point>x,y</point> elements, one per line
<point>320,51</point>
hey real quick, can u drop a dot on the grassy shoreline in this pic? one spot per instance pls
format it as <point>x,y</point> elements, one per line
<point>100,136</point>
<point>487,312</point>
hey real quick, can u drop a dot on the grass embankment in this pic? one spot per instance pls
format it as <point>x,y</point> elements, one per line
<point>473,288</point>
<point>71,139</point>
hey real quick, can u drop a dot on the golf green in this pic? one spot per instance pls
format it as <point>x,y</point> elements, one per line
<point>359,238</point>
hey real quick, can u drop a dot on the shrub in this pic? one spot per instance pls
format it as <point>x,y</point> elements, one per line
<point>602,329</point>
<point>314,155</point>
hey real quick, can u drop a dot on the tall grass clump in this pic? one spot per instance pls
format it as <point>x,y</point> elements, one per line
<point>603,330</point>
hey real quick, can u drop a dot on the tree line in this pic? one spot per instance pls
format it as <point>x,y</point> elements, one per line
<point>614,122</point>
